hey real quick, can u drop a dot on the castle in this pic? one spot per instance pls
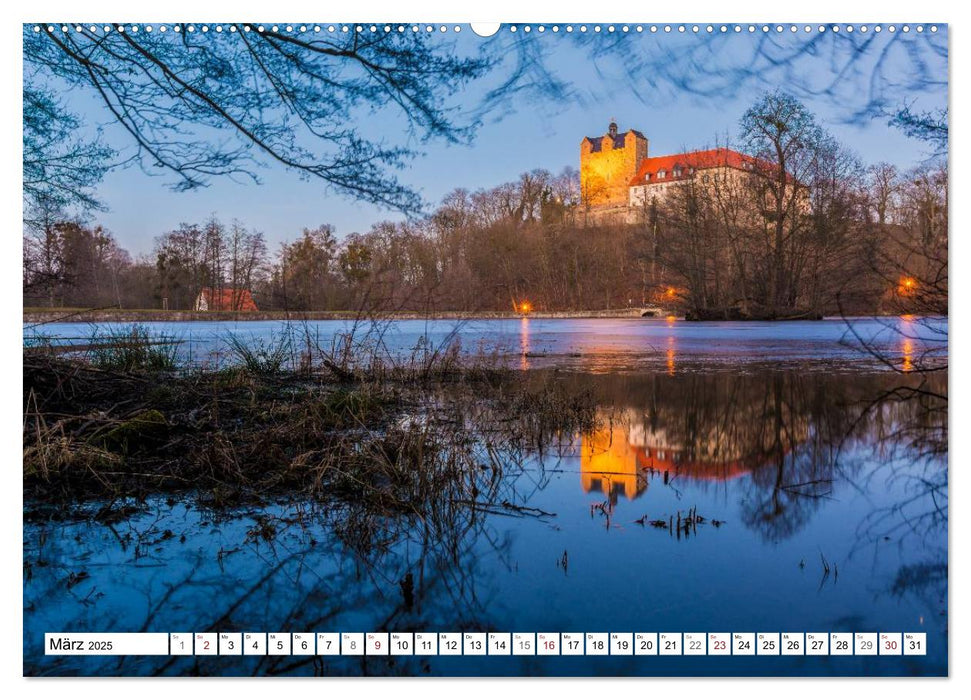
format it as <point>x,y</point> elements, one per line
<point>618,178</point>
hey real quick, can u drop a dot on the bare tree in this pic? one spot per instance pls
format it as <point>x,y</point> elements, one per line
<point>859,73</point>
<point>278,97</point>
<point>59,168</point>
<point>785,138</point>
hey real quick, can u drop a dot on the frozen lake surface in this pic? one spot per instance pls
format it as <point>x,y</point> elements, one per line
<point>595,345</point>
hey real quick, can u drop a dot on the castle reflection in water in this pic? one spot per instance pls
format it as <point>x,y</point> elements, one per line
<point>619,461</point>
<point>633,448</point>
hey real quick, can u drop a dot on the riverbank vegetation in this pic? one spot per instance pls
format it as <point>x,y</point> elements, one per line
<point>103,431</point>
<point>110,423</point>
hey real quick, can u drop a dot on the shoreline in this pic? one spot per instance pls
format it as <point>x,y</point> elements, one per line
<point>35,316</point>
<point>41,316</point>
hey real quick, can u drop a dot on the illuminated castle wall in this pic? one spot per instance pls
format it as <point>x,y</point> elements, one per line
<point>619,179</point>
<point>607,165</point>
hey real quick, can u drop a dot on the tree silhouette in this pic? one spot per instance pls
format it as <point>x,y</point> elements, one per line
<point>199,105</point>
<point>861,72</point>
<point>59,168</point>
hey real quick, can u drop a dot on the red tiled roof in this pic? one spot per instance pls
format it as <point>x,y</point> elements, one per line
<point>228,299</point>
<point>696,160</point>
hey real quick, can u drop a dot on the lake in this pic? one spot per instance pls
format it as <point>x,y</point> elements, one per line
<point>821,499</point>
<point>596,345</point>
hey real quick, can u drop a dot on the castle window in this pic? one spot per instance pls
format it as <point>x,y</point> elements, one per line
<point>677,172</point>
<point>661,174</point>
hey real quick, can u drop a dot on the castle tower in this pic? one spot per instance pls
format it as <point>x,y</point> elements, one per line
<point>607,165</point>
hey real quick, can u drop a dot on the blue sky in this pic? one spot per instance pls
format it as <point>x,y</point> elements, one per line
<point>529,133</point>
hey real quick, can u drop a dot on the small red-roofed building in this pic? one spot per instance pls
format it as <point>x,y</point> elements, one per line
<point>225,299</point>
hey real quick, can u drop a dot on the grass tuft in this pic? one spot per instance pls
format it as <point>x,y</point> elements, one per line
<point>132,348</point>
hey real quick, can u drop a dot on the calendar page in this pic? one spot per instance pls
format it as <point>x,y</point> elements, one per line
<point>548,349</point>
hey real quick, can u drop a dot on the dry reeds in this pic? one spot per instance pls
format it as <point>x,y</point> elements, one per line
<point>396,438</point>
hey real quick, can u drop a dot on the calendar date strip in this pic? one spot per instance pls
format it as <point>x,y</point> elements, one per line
<point>486,644</point>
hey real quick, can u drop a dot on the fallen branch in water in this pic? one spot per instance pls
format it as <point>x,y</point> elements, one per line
<point>506,508</point>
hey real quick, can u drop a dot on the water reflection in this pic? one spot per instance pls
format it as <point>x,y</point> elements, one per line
<point>801,469</point>
<point>524,342</point>
<point>611,465</point>
<point>588,344</point>
<point>672,342</point>
<point>908,350</point>
<point>786,432</point>
<point>636,447</point>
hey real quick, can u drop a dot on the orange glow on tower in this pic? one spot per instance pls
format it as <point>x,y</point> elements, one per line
<point>607,165</point>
